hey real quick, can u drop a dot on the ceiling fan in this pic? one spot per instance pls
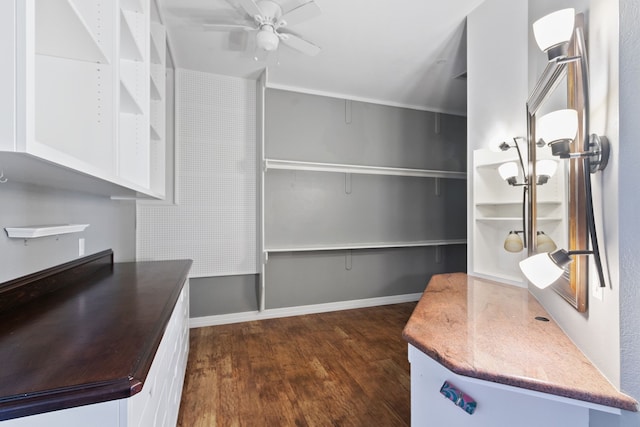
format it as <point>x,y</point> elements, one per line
<point>267,19</point>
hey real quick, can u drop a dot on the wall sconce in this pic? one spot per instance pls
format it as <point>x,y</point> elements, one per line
<point>553,32</point>
<point>559,129</point>
<point>545,268</point>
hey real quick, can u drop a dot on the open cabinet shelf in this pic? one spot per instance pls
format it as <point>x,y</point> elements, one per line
<point>62,31</point>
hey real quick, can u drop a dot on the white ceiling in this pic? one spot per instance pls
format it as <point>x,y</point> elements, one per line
<point>399,52</point>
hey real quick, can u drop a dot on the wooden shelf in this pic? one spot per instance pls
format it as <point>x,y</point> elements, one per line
<point>35,231</point>
<point>373,245</point>
<point>129,44</point>
<point>359,169</point>
<point>62,31</point>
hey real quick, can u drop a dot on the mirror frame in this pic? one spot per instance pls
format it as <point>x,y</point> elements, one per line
<point>573,285</point>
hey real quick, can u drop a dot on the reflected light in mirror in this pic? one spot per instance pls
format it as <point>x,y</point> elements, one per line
<point>513,243</point>
<point>545,169</point>
<point>559,125</point>
<point>545,268</point>
<point>544,243</point>
<point>554,30</point>
<point>508,170</point>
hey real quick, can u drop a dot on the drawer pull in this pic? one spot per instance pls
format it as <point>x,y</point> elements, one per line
<point>458,397</point>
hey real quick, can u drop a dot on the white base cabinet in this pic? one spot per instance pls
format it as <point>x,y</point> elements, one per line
<point>497,404</point>
<point>156,405</point>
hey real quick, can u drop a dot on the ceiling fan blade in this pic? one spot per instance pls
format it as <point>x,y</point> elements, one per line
<point>250,7</point>
<point>299,44</point>
<point>227,27</point>
<point>300,14</point>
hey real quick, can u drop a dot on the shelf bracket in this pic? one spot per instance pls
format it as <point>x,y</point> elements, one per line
<point>438,254</point>
<point>347,183</point>
<point>348,262</point>
<point>347,111</point>
<point>437,123</point>
<point>438,189</point>
<point>265,257</point>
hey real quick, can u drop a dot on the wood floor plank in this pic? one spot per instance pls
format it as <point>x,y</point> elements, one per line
<point>346,368</point>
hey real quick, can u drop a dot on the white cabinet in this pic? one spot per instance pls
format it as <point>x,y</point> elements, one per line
<point>498,209</point>
<point>155,405</point>
<point>497,404</point>
<point>76,87</point>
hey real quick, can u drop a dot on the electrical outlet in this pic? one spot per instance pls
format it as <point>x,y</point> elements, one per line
<point>81,246</point>
<point>598,292</point>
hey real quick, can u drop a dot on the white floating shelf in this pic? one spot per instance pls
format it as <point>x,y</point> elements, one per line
<point>359,169</point>
<point>375,245</point>
<point>516,219</point>
<point>62,31</point>
<point>43,230</point>
<point>518,203</point>
<point>129,43</point>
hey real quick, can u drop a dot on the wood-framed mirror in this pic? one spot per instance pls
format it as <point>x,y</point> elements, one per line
<point>563,84</point>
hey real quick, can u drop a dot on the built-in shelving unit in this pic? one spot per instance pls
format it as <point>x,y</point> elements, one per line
<point>81,72</point>
<point>498,209</point>
<point>36,231</point>
<point>62,31</point>
<point>341,196</point>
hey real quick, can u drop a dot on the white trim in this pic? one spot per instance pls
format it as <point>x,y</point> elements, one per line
<point>359,169</point>
<point>223,319</point>
<point>374,245</point>
<point>356,98</point>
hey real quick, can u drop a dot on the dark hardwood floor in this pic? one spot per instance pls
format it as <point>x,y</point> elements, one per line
<point>346,368</point>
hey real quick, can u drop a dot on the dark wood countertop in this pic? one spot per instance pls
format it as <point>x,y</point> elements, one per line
<point>487,330</point>
<point>90,340</point>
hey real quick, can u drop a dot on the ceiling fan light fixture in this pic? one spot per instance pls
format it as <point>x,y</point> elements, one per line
<point>267,39</point>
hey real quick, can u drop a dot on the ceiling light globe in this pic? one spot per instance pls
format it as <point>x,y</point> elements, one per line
<point>513,243</point>
<point>267,39</point>
<point>555,30</point>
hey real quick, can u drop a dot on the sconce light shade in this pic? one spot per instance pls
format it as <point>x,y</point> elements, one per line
<point>553,32</point>
<point>508,170</point>
<point>545,268</point>
<point>558,129</point>
<point>544,243</point>
<point>513,242</point>
<point>545,169</point>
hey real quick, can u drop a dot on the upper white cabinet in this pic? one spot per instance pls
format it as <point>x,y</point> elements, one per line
<point>76,87</point>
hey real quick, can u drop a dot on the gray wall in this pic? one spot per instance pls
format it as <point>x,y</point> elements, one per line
<point>629,207</point>
<point>313,208</point>
<point>112,225</point>
<point>306,208</point>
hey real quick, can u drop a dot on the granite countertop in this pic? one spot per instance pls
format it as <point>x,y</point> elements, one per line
<point>83,333</point>
<point>488,330</point>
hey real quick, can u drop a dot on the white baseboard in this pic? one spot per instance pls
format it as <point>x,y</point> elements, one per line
<point>224,319</point>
